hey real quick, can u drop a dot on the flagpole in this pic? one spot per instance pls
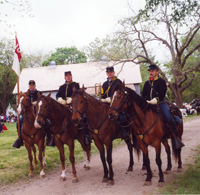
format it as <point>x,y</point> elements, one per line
<point>18,125</point>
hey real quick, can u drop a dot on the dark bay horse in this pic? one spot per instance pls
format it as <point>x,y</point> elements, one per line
<point>31,135</point>
<point>150,127</point>
<point>101,127</point>
<point>63,130</point>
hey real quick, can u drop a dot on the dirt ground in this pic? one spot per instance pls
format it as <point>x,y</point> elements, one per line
<point>125,182</point>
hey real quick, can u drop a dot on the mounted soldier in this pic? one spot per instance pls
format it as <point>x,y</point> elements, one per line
<point>106,90</point>
<point>64,96</point>
<point>33,95</point>
<point>154,92</point>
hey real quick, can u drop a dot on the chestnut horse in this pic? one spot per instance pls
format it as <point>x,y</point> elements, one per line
<point>30,134</point>
<point>101,127</point>
<point>150,127</point>
<point>63,130</point>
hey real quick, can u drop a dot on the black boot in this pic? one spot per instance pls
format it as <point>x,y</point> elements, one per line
<point>124,133</point>
<point>177,142</point>
<point>49,140</point>
<point>87,138</point>
<point>18,143</point>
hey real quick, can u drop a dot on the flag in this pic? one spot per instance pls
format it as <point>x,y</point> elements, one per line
<point>17,58</point>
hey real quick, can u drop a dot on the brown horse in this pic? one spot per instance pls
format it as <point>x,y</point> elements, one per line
<point>150,127</point>
<point>63,130</point>
<point>31,135</point>
<point>101,127</point>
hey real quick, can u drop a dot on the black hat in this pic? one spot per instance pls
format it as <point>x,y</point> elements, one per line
<point>153,67</point>
<point>31,82</point>
<point>110,69</point>
<point>68,72</point>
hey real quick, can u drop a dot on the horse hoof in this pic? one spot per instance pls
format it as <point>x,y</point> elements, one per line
<point>147,183</point>
<point>167,172</point>
<point>144,167</point>
<point>105,180</point>
<point>130,169</point>
<point>31,174</point>
<point>110,182</point>
<point>87,168</point>
<point>63,178</point>
<point>179,170</point>
<point>75,180</point>
<point>42,176</point>
<point>161,184</point>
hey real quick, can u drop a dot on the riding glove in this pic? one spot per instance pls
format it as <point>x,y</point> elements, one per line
<point>61,101</point>
<point>108,100</point>
<point>153,101</point>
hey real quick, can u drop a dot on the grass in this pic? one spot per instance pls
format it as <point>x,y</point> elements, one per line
<point>14,163</point>
<point>189,181</point>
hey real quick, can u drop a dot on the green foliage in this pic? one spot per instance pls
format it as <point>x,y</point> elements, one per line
<point>113,48</point>
<point>180,9</point>
<point>7,77</point>
<point>188,183</point>
<point>66,55</point>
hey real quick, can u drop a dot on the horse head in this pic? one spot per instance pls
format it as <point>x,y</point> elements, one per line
<point>79,105</point>
<point>43,109</point>
<point>118,103</point>
<point>24,103</point>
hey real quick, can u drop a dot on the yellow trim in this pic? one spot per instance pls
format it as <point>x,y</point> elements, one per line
<point>106,92</point>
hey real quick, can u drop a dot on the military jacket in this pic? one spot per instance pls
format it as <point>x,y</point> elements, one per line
<point>66,90</point>
<point>155,89</point>
<point>33,95</point>
<point>108,86</point>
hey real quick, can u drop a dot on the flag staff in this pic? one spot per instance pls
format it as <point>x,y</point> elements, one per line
<point>16,68</point>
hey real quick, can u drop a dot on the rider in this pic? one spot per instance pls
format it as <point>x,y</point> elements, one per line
<point>106,90</point>
<point>154,91</point>
<point>33,94</point>
<point>64,95</point>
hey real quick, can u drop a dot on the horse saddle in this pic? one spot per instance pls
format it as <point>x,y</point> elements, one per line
<point>175,112</point>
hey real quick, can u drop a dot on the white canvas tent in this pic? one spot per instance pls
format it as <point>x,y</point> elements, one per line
<point>50,78</point>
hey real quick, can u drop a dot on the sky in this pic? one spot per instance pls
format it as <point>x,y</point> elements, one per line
<point>64,23</point>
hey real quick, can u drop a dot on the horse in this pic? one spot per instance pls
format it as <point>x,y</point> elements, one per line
<point>150,127</point>
<point>101,127</point>
<point>31,135</point>
<point>63,130</point>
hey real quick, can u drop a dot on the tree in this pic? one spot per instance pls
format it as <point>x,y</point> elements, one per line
<point>176,37</point>
<point>112,47</point>
<point>22,7</point>
<point>7,77</point>
<point>33,59</point>
<point>66,55</point>
<point>180,9</point>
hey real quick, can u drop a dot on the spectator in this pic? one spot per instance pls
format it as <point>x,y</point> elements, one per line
<point>1,128</point>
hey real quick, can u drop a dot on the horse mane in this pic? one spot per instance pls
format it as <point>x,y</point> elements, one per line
<point>141,102</point>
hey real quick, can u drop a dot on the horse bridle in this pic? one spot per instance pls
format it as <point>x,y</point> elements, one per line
<point>48,109</point>
<point>86,107</point>
<point>122,102</point>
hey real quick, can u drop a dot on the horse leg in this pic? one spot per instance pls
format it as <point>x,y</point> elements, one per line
<point>41,149</point>
<point>109,147</point>
<point>86,149</point>
<point>178,151</point>
<point>144,163</point>
<point>28,147</point>
<point>43,156</point>
<point>72,160</point>
<point>159,164</point>
<point>35,158</point>
<point>169,161</point>
<point>101,149</point>
<point>130,148</point>
<point>144,149</point>
<point>60,147</point>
